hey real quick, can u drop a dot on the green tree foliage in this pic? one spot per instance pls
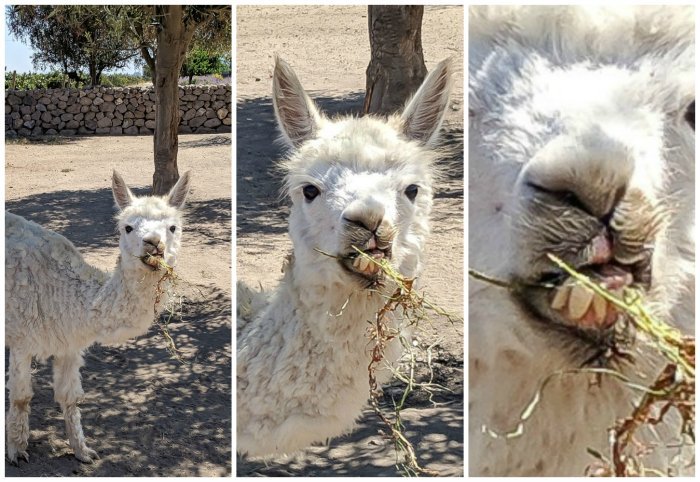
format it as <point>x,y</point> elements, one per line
<point>202,62</point>
<point>73,38</point>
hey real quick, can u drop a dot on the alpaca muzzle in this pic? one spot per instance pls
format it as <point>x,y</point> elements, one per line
<point>363,258</point>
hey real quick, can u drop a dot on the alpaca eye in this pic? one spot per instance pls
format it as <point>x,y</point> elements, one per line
<point>690,115</point>
<point>411,192</point>
<point>310,192</point>
<point>128,229</point>
<point>172,229</point>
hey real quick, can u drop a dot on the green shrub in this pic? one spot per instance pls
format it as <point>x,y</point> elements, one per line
<point>31,81</point>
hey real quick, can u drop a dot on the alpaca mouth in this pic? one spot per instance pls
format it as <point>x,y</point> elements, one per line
<point>366,267</point>
<point>153,260</point>
<point>561,301</point>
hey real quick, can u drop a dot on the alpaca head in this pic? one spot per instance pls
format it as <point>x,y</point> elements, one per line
<point>150,225</point>
<point>362,183</point>
<point>599,158</point>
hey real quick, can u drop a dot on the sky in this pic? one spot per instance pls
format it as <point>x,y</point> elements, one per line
<point>17,55</point>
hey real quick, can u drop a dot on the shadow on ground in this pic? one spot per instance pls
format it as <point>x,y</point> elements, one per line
<point>144,412</point>
<point>74,213</point>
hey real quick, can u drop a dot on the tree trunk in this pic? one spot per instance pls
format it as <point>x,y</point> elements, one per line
<point>173,39</point>
<point>397,68</point>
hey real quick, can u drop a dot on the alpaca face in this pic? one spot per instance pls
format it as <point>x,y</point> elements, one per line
<point>149,227</point>
<point>590,166</point>
<point>359,184</point>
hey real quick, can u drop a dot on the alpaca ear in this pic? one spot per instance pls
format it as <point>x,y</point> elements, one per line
<point>297,115</point>
<point>423,115</point>
<point>121,192</point>
<point>178,194</point>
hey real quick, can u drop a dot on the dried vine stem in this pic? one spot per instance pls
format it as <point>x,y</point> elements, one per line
<point>414,308</point>
<point>169,276</point>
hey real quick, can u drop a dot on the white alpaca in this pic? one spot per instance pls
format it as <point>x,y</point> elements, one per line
<point>302,356</point>
<point>580,145</point>
<point>57,305</point>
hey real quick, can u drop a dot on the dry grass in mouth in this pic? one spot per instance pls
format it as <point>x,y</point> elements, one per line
<point>169,279</point>
<point>415,309</point>
<point>673,389</point>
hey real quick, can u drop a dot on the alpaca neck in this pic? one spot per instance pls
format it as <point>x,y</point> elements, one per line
<point>124,306</point>
<point>332,311</point>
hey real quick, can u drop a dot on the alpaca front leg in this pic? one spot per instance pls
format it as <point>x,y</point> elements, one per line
<point>17,422</point>
<point>68,392</point>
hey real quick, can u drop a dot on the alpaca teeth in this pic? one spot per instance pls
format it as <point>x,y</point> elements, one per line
<point>364,262</point>
<point>600,307</point>
<point>561,296</point>
<point>579,301</point>
<point>356,262</point>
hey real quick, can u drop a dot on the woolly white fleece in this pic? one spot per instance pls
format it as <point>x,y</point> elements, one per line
<point>303,354</point>
<point>58,305</point>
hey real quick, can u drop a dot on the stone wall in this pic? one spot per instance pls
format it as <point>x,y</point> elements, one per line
<point>112,111</point>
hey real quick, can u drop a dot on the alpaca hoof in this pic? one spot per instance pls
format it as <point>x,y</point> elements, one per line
<point>86,455</point>
<point>16,451</point>
<point>14,457</point>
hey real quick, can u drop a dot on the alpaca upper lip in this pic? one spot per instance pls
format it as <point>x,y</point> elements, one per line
<point>640,273</point>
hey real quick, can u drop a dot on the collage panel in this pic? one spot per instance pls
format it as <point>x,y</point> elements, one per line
<point>351,279</point>
<point>581,240</point>
<point>118,241</point>
<point>349,240</point>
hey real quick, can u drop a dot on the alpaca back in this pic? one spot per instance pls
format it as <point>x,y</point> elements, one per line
<point>47,283</point>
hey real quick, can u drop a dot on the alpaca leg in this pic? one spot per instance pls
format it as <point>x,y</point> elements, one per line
<point>20,387</point>
<point>68,392</point>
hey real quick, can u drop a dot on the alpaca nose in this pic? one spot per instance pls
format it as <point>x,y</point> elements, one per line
<point>368,213</point>
<point>154,240</point>
<point>590,171</point>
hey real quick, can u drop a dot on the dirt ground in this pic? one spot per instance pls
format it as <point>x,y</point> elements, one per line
<point>145,413</point>
<point>328,47</point>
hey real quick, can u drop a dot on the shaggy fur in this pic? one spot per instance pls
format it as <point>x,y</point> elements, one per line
<point>591,102</point>
<point>58,305</point>
<point>302,356</point>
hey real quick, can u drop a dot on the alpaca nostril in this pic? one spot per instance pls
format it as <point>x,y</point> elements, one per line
<point>371,225</point>
<point>617,198</point>
<point>154,240</point>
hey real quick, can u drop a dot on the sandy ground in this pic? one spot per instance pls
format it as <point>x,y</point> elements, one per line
<point>145,413</point>
<point>329,49</point>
